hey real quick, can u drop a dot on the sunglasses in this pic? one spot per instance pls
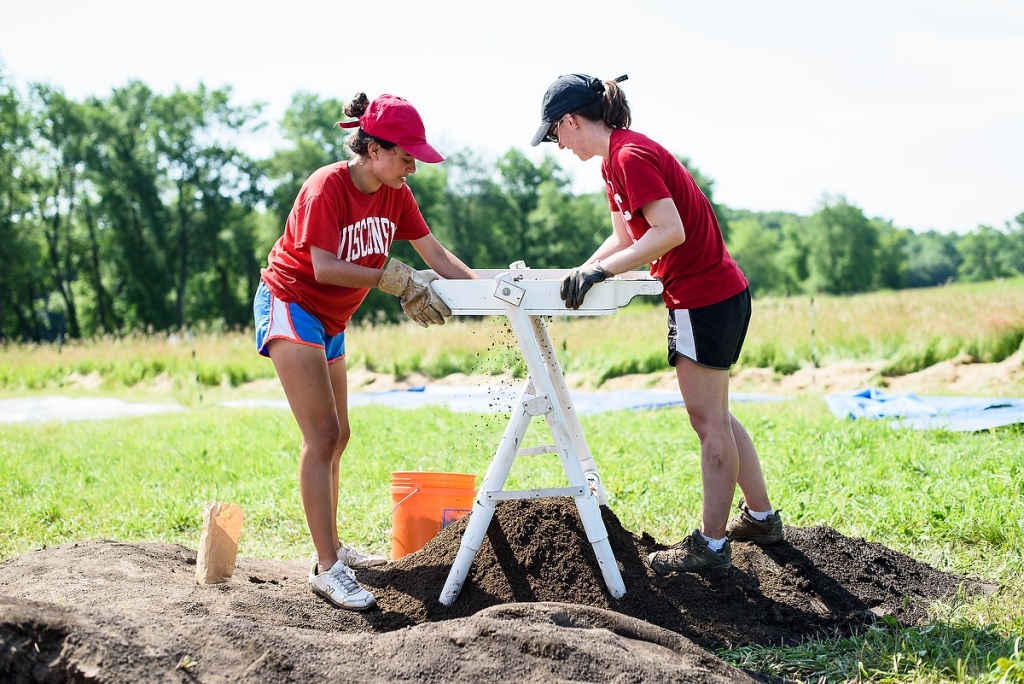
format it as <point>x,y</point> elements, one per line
<point>552,135</point>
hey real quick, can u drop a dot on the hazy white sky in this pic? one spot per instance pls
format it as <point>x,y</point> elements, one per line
<point>911,109</point>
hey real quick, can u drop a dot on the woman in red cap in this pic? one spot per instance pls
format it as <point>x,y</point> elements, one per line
<point>335,247</point>
<point>661,218</point>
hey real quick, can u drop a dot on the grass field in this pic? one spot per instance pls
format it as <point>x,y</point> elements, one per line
<point>952,500</point>
<point>910,329</point>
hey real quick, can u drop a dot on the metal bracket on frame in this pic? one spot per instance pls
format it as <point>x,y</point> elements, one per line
<point>508,292</point>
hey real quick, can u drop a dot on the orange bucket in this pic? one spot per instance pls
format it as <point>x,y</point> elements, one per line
<point>426,503</point>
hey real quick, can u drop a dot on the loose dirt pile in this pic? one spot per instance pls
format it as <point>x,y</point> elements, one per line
<point>535,608</point>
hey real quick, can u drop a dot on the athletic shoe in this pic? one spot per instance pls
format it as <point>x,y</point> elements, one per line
<point>745,527</point>
<point>691,555</point>
<point>354,558</point>
<point>338,585</point>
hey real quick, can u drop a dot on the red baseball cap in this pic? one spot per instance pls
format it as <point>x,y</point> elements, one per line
<point>393,119</point>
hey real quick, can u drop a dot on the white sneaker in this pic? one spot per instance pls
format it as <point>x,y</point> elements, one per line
<point>338,585</point>
<point>354,558</point>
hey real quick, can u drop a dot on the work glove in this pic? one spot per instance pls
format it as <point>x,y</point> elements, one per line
<point>412,287</point>
<point>577,283</point>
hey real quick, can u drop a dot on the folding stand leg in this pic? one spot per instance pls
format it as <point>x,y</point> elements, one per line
<point>545,394</point>
<point>483,506</point>
<point>572,422</point>
<point>549,380</point>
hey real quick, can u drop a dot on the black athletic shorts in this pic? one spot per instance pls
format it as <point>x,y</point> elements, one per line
<point>711,336</point>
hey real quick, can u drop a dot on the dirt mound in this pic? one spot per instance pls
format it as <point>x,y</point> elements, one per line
<point>534,608</point>
<point>961,376</point>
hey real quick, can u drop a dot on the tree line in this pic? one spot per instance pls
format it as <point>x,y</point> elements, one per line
<point>141,211</point>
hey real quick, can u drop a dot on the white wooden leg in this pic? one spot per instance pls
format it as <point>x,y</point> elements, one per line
<point>483,506</point>
<point>547,394</point>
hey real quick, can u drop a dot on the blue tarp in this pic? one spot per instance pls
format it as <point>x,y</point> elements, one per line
<point>501,399</point>
<point>958,414</point>
<point>60,408</point>
<point>483,399</point>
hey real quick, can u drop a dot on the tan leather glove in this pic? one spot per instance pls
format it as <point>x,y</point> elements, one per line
<point>412,287</point>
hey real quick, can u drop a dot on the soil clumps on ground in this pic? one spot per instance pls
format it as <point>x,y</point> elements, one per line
<point>534,608</point>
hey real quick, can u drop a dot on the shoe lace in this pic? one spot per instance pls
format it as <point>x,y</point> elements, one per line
<point>694,547</point>
<point>352,553</point>
<point>346,578</point>
<point>349,551</point>
<point>687,543</point>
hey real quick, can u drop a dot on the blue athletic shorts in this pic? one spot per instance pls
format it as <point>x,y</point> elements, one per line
<point>281,320</point>
<point>710,336</point>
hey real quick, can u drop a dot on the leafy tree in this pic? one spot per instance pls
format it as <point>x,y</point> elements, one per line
<point>98,312</point>
<point>985,253</point>
<point>756,250</point>
<point>62,141</point>
<point>139,211</point>
<point>795,254</point>
<point>1015,251</point>
<point>790,256</point>
<point>932,259</point>
<point>843,245</point>
<point>478,213</point>
<point>23,287</point>
<point>565,229</point>
<point>211,181</point>
<point>519,180</point>
<point>126,173</point>
<point>891,257</point>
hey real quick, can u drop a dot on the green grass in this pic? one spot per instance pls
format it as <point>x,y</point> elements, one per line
<point>952,649</point>
<point>146,479</point>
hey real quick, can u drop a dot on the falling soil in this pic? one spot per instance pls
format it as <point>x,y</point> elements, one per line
<point>533,609</point>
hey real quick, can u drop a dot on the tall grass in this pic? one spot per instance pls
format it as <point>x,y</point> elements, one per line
<point>183,364</point>
<point>909,329</point>
<point>982,320</point>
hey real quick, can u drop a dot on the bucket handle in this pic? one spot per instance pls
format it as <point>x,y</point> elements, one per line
<point>404,499</point>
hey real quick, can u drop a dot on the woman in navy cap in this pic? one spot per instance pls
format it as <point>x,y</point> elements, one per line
<point>335,247</point>
<point>661,218</point>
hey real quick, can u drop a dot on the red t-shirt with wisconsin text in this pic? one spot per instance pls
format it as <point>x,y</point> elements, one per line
<point>697,273</point>
<point>331,213</point>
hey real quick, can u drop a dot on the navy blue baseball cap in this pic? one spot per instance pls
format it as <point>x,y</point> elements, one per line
<point>569,93</point>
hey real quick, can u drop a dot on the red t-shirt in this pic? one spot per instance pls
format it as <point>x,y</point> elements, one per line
<point>331,213</point>
<point>698,272</point>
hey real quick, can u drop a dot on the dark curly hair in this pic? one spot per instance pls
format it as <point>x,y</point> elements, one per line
<point>359,141</point>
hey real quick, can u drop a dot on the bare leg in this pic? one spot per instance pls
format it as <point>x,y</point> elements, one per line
<point>307,384</point>
<point>751,479</point>
<point>727,454</point>
<point>339,380</point>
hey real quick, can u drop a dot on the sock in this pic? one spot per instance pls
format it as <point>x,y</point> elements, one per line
<point>714,544</point>
<point>760,515</point>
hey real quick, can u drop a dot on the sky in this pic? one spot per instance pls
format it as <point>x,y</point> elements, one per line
<point>912,110</point>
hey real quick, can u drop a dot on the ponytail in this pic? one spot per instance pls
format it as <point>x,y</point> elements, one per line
<point>611,108</point>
